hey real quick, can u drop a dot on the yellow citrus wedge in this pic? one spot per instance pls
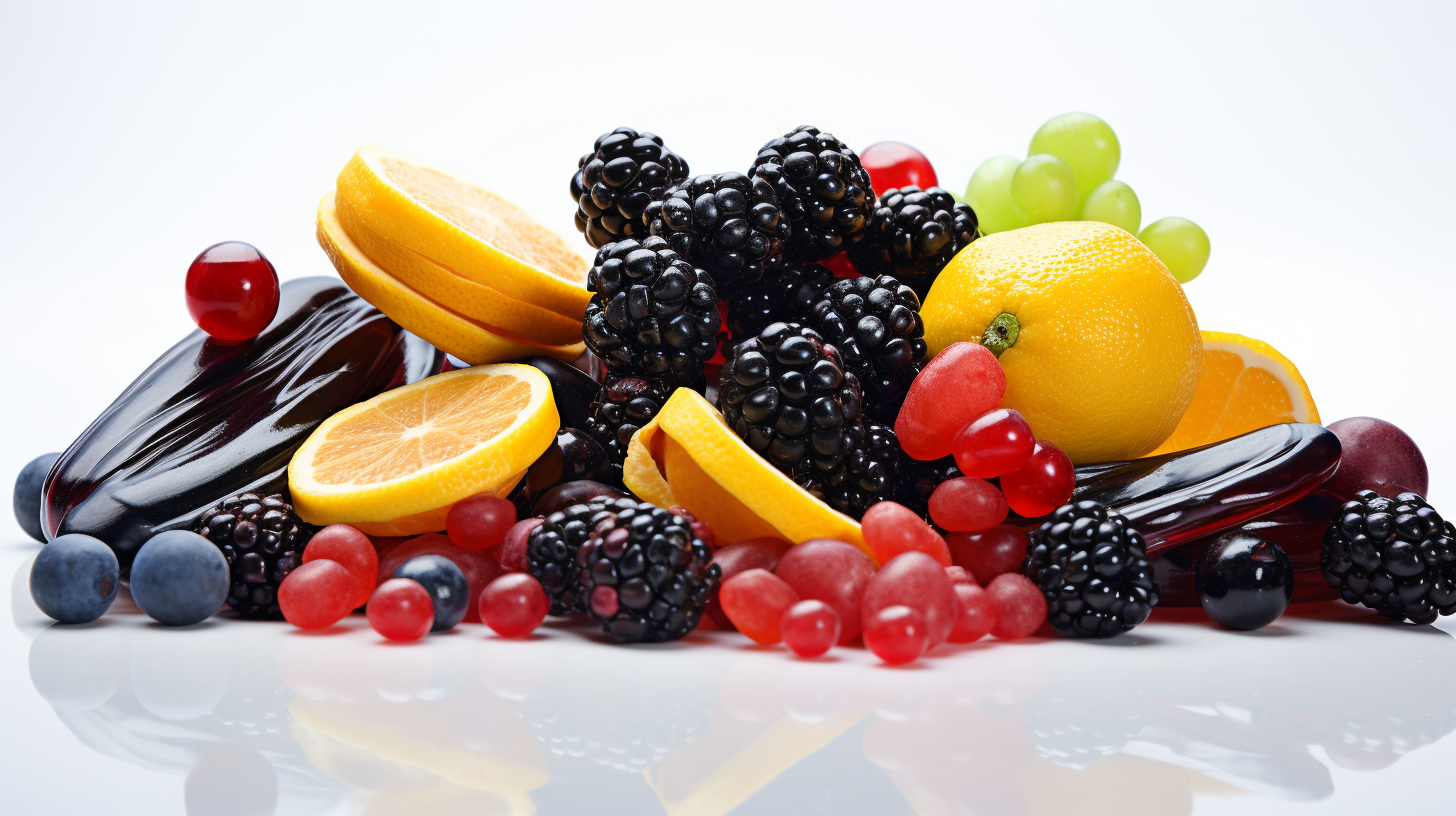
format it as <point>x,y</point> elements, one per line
<point>1244,385</point>
<point>465,228</point>
<point>430,521</point>
<point>501,312</point>
<point>424,446</point>
<point>688,455</point>
<point>470,340</point>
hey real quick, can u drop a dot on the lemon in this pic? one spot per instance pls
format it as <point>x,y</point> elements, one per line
<point>1100,347</point>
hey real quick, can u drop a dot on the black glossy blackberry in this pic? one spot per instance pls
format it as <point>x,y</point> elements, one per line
<point>652,313</point>
<point>871,470</point>
<point>919,479</point>
<point>786,393</point>
<point>823,188</point>
<point>727,223</point>
<point>783,296</point>
<point>914,234</point>
<point>263,540</point>
<point>620,409</point>
<point>1396,556</point>
<point>551,550</point>
<point>875,324</point>
<point>644,576</point>
<point>1092,567</point>
<point>613,184</point>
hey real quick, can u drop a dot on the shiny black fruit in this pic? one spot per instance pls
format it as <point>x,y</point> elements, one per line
<point>1244,582</point>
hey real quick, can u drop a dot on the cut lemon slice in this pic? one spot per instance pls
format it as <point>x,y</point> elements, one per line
<point>1245,384</point>
<point>465,228</point>
<point>424,446</point>
<point>470,340</point>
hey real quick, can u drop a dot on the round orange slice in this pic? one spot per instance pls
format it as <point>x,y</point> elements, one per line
<point>424,446</point>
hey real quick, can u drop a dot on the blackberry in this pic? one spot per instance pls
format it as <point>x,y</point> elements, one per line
<point>787,394</point>
<point>1396,556</point>
<point>918,479</point>
<point>1092,567</point>
<point>263,540</point>
<point>871,470</point>
<point>875,324</point>
<point>624,172</point>
<point>653,313</point>
<point>645,576</point>
<point>727,223</point>
<point>620,409</point>
<point>823,188</point>
<point>551,550</point>
<point>913,236</point>
<point>785,295</point>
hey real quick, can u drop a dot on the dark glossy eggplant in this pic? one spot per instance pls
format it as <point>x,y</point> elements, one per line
<point>208,419</point>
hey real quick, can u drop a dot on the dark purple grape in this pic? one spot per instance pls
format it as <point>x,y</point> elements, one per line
<point>566,494</point>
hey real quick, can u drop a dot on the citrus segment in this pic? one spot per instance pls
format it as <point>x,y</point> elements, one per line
<point>465,228</point>
<point>1245,385</point>
<point>424,446</point>
<point>730,519</point>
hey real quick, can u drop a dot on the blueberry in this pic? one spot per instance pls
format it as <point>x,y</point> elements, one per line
<point>1244,582</point>
<point>445,583</point>
<point>179,578</point>
<point>27,494</point>
<point>74,579</point>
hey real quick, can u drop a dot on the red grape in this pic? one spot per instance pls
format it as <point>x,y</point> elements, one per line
<point>977,614</point>
<point>1376,455</point>
<point>959,575</point>
<point>232,291</point>
<point>896,634</point>
<point>916,580</point>
<point>479,566</point>
<point>810,627</point>
<point>401,609</point>
<point>353,550</point>
<point>755,601</point>
<point>480,521</point>
<point>1041,485</point>
<point>994,443</point>
<point>989,553</point>
<point>963,382</point>
<point>755,553</point>
<point>317,594</point>
<point>513,551</point>
<point>890,529</point>
<point>896,164</point>
<point>514,605</point>
<point>1020,607</point>
<point>964,503</point>
<point>831,571</point>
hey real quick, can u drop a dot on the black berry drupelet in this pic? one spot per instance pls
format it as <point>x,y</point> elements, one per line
<point>727,223</point>
<point>652,313</point>
<point>787,394</point>
<point>620,409</point>
<point>918,479</point>
<point>263,540</point>
<point>871,470</point>
<point>1092,567</point>
<point>913,235</point>
<point>823,188</point>
<point>782,296</point>
<point>1396,556</point>
<point>551,550</point>
<point>875,323</point>
<point>614,183</point>
<point>645,576</point>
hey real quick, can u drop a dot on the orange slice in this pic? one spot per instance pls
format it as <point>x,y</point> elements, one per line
<point>465,228</point>
<point>430,521</point>
<point>1245,385</point>
<point>424,446</point>
<point>468,339</point>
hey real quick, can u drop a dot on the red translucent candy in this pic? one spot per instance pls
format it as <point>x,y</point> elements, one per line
<point>959,575</point>
<point>896,634</point>
<point>966,504</point>
<point>916,580</point>
<point>995,442</point>
<point>963,382</point>
<point>1041,485</point>
<point>755,601</point>
<point>896,164</point>
<point>480,521</point>
<point>840,265</point>
<point>317,594</point>
<point>353,550</point>
<point>977,616</point>
<point>513,552</point>
<point>232,291</point>
<point>1020,607</point>
<point>479,566</point>
<point>989,553</point>
<point>890,529</point>
<point>513,605</point>
<point>400,609</point>
<point>824,569</point>
<point>809,628</point>
<point>754,553</point>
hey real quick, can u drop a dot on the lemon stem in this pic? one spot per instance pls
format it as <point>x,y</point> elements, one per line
<point>1002,333</point>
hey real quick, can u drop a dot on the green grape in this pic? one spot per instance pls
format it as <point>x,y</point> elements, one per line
<point>1113,202</point>
<point>1043,189</point>
<point>989,194</point>
<point>1180,244</point>
<point>1086,143</point>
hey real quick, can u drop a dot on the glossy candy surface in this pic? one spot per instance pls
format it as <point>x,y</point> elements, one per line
<point>1041,485</point>
<point>960,384</point>
<point>896,164</point>
<point>318,594</point>
<point>891,529</point>
<point>755,601</point>
<point>401,609</point>
<point>897,634</point>
<point>994,443</point>
<point>232,291</point>
<point>810,628</point>
<point>1244,582</point>
<point>514,605</point>
<point>739,557</point>
<point>977,614</point>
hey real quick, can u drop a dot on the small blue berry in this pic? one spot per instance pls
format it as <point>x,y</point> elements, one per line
<point>446,584</point>
<point>74,579</point>
<point>27,494</point>
<point>179,578</point>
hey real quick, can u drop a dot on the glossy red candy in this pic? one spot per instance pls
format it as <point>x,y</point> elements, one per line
<point>755,553</point>
<point>232,291</point>
<point>891,529</point>
<point>994,443</point>
<point>897,634</point>
<point>831,571</point>
<point>1041,485</point>
<point>977,615</point>
<point>1020,607</point>
<point>351,549</point>
<point>989,553</point>
<point>480,521</point>
<point>317,594</point>
<point>965,504</point>
<point>896,164</point>
<point>401,609</point>
<point>756,601</point>
<point>810,628</point>
<point>513,605</point>
<point>963,382</point>
<point>916,580</point>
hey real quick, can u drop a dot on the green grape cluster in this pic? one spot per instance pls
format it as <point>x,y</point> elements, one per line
<point>1068,176</point>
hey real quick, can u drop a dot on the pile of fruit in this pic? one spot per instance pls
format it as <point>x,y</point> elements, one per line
<point>820,402</point>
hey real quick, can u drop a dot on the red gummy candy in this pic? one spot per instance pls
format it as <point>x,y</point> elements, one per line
<point>1020,607</point>
<point>916,580</point>
<point>835,572</point>
<point>897,634</point>
<point>1041,485</point>
<point>995,442</point>
<point>480,521</point>
<point>890,529</point>
<point>989,553</point>
<point>401,609</point>
<point>966,504</point>
<point>353,550</point>
<point>977,614</point>
<point>479,566</point>
<point>963,382</point>
<point>810,628</point>
<point>317,594</point>
<point>513,551</point>
<point>754,553</point>
<point>755,601</point>
<point>513,605</point>
<point>896,164</point>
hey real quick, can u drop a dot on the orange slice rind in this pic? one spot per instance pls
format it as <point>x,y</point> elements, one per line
<point>430,521</point>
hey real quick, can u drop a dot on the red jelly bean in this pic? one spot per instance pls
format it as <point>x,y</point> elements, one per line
<point>479,566</point>
<point>896,634</point>
<point>1020,607</point>
<point>232,291</point>
<point>977,614</point>
<point>480,521</point>
<point>989,553</point>
<point>964,503</point>
<point>961,383</point>
<point>809,628</point>
<point>513,551</point>
<point>317,594</point>
<point>513,605</point>
<point>896,164</point>
<point>352,549</point>
<point>918,581</point>
<point>1041,485</point>
<point>890,529</point>
<point>401,609</point>
<point>995,442</point>
<point>755,601</point>
<point>831,571</point>
<point>755,553</point>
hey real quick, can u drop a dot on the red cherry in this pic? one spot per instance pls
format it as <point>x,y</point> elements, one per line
<point>1041,485</point>
<point>996,442</point>
<point>896,164</point>
<point>232,291</point>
